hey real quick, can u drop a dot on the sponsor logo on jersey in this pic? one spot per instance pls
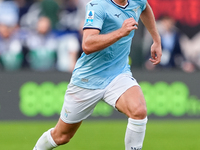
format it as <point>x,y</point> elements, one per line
<point>90,16</point>
<point>92,4</point>
<point>117,15</point>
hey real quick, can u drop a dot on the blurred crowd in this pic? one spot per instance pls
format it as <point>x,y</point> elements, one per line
<point>45,35</point>
<point>40,35</point>
<point>178,50</point>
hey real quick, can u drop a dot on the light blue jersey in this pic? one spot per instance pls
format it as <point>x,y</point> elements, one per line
<point>97,70</point>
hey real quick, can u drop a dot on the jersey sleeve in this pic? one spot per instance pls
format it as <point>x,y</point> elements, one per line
<point>144,5</point>
<point>94,17</point>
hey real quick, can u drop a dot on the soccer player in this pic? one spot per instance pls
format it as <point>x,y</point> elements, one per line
<point>102,71</point>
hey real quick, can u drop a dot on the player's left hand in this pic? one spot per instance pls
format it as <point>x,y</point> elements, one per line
<point>156,53</point>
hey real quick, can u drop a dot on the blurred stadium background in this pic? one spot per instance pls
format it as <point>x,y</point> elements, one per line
<point>39,44</point>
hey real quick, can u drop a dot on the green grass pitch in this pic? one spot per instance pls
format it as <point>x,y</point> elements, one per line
<point>105,135</point>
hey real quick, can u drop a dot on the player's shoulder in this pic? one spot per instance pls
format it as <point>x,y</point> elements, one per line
<point>138,1</point>
<point>96,3</point>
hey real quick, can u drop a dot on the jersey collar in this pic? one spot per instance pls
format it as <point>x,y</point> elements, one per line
<point>120,5</point>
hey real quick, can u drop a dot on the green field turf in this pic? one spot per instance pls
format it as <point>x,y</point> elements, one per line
<point>105,135</point>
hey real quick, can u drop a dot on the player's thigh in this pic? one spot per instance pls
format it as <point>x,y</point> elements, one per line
<point>79,103</point>
<point>132,103</point>
<point>118,87</point>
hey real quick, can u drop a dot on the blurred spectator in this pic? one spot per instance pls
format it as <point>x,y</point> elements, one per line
<point>23,6</point>
<point>172,56</point>
<point>69,18</point>
<point>72,14</point>
<point>67,52</point>
<point>29,20</point>
<point>51,9</point>
<point>10,45</point>
<point>42,45</point>
<point>48,8</point>
<point>191,51</point>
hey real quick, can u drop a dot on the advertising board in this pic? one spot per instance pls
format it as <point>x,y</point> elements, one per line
<point>39,96</point>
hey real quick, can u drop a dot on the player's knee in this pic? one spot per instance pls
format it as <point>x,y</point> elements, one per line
<point>140,112</point>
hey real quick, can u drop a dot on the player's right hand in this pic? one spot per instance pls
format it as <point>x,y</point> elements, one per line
<point>128,25</point>
<point>156,53</point>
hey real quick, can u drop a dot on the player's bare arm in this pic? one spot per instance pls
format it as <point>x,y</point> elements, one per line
<point>93,41</point>
<point>148,20</point>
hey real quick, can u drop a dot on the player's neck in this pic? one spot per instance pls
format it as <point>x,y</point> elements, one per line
<point>121,2</point>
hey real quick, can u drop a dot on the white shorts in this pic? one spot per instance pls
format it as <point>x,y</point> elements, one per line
<point>79,103</point>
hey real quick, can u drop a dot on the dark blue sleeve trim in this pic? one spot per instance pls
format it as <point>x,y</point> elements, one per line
<point>91,28</point>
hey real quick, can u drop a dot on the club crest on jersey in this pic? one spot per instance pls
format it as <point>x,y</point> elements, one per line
<point>136,10</point>
<point>90,16</point>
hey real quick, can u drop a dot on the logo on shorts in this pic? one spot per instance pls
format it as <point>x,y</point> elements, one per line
<point>90,16</point>
<point>66,113</point>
